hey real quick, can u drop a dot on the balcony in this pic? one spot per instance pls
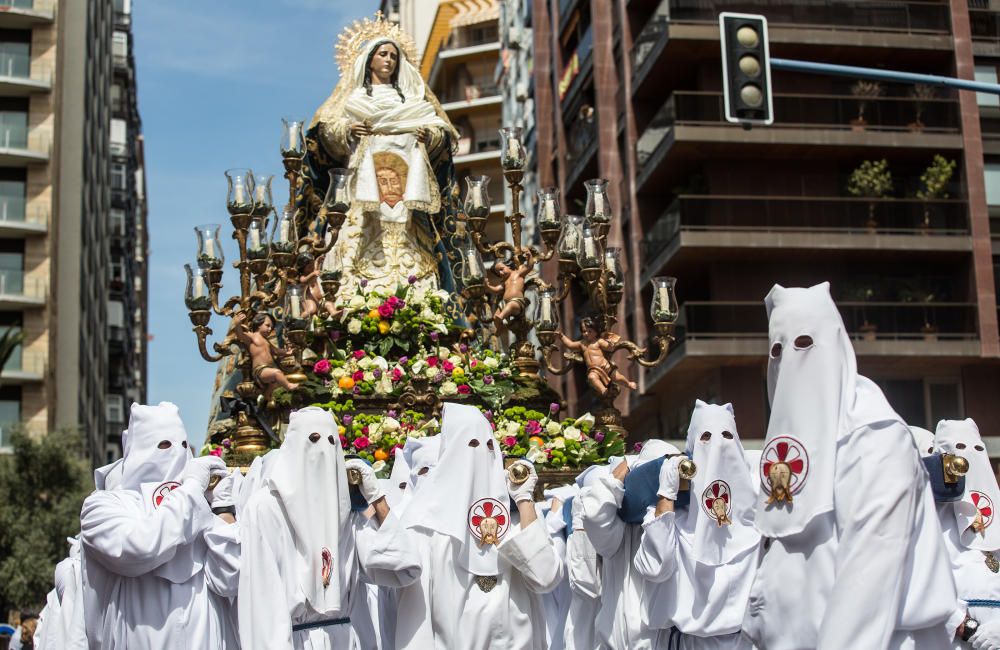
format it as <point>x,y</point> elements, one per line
<point>731,330</point>
<point>20,146</point>
<point>472,99</point>
<point>985,25</point>
<point>19,77</point>
<point>577,68</point>
<point>19,221</point>
<point>24,367</point>
<point>701,223</point>
<point>581,145</point>
<point>20,292</point>
<point>692,122</point>
<point>25,14</point>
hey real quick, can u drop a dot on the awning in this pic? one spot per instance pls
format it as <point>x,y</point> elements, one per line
<point>473,12</point>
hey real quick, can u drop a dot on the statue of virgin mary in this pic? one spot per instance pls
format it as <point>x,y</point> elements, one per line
<point>383,124</point>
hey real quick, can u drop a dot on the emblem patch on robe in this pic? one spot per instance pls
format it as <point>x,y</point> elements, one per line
<point>327,565</point>
<point>984,511</point>
<point>991,561</point>
<point>162,490</point>
<point>784,467</point>
<point>488,521</point>
<point>717,502</point>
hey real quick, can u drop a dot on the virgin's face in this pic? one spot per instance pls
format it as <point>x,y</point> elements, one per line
<point>384,63</point>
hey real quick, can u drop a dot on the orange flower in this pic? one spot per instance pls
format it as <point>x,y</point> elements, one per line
<point>373,314</point>
<point>345,383</point>
<point>535,441</point>
<point>381,454</point>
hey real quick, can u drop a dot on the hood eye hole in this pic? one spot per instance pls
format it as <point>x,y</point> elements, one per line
<point>314,437</point>
<point>960,445</point>
<point>705,437</point>
<point>979,448</point>
<point>423,470</point>
<point>184,444</point>
<point>473,443</point>
<point>776,351</point>
<point>402,486</point>
<point>930,450</point>
<point>164,444</point>
<point>489,444</point>
<point>333,441</point>
<point>727,435</point>
<point>802,342</point>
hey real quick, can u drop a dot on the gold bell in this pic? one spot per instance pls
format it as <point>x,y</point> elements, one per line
<point>354,476</point>
<point>518,473</point>
<point>955,467</point>
<point>687,470</point>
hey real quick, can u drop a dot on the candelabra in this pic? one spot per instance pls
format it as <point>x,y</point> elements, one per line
<point>273,277</point>
<point>584,259</point>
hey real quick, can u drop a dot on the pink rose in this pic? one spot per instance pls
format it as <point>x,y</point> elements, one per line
<point>343,442</point>
<point>385,310</point>
<point>321,367</point>
<point>361,443</point>
<point>463,389</point>
<point>216,452</point>
<point>510,441</point>
<point>473,363</point>
<point>432,362</point>
<point>397,374</point>
<point>358,354</point>
<point>359,375</point>
<point>447,366</point>
<point>532,428</point>
<point>393,302</point>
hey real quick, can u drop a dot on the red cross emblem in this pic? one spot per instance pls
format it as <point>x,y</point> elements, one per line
<point>488,521</point>
<point>984,510</point>
<point>717,502</point>
<point>785,452</point>
<point>162,490</point>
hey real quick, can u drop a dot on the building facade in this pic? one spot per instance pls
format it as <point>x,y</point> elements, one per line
<point>631,91</point>
<point>61,89</point>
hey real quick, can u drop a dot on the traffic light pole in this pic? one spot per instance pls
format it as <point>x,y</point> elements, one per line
<point>883,75</point>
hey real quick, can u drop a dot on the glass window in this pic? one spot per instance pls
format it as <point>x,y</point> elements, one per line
<point>10,415</point>
<point>119,137</point>
<point>115,409</point>
<point>992,171</point>
<point>15,59</point>
<point>945,401</point>
<point>14,129</point>
<point>118,176</point>
<point>116,313</point>
<point>11,320</point>
<point>117,222</point>
<point>119,45</point>
<point>12,200</point>
<point>11,273</point>
<point>117,271</point>
<point>987,74</point>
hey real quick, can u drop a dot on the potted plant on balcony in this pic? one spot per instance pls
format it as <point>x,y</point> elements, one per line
<point>933,184</point>
<point>865,293</point>
<point>873,180</point>
<point>865,91</point>
<point>917,293</point>
<point>921,94</point>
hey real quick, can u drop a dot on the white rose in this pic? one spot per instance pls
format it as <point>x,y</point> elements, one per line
<point>431,372</point>
<point>537,456</point>
<point>365,363</point>
<point>374,434</point>
<point>491,362</point>
<point>442,295</point>
<point>356,302</point>
<point>416,433</point>
<point>390,425</point>
<point>384,385</point>
<point>337,373</point>
<point>443,353</point>
<point>449,388</point>
<point>380,363</point>
<point>417,297</point>
<point>512,428</point>
<point>369,375</point>
<point>552,428</point>
<point>558,443</point>
<point>417,366</point>
<point>373,302</point>
<point>572,433</point>
<point>455,360</point>
<point>586,418</point>
<point>354,326</point>
<point>378,466</point>
<point>396,327</point>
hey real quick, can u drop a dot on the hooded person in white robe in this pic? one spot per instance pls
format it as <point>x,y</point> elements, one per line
<point>702,558</point>
<point>61,625</point>
<point>483,570</point>
<point>972,540</point>
<point>583,571</point>
<point>305,554</point>
<point>145,561</point>
<point>556,602</point>
<point>619,621</point>
<point>854,560</point>
<point>923,439</point>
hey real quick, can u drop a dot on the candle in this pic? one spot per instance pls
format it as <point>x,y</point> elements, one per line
<point>549,211</point>
<point>476,197</point>
<point>199,286</point>
<point>283,233</point>
<point>209,246</point>
<point>239,192</point>
<point>255,238</point>
<point>294,306</point>
<point>598,204</point>
<point>663,293</point>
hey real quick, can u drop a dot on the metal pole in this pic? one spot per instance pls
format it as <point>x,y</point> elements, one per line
<point>884,75</point>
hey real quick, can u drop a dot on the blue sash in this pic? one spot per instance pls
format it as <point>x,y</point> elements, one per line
<point>943,492</point>
<point>567,513</point>
<point>326,622</point>
<point>641,485</point>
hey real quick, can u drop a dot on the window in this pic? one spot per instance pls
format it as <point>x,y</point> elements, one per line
<point>992,171</point>
<point>119,46</point>
<point>14,129</point>
<point>11,273</point>
<point>11,320</point>
<point>115,409</point>
<point>12,200</point>
<point>10,413</point>
<point>15,58</point>
<point>944,400</point>
<point>987,74</point>
<point>119,137</point>
<point>117,222</point>
<point>117,271</point>
<point>118,180</point>
<point>116,313</point>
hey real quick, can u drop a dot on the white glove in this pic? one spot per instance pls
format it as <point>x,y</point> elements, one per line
<point>525,491</point>
<point>222,494</point>
<point>987,637</point>
<point>370,488</point>
<point>670,478</point>
<point>199,471</point>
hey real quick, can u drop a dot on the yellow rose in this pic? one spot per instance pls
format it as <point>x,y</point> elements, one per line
<point>383,327</point>
<point>341,430</point>
<point>373,314</point>
<point>457,372</point>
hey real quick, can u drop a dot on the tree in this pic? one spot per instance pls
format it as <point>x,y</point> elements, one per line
<point>42,487</point>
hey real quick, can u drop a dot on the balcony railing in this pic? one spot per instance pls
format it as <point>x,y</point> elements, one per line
<point>864,320</point>
<point>23,361</point>
<point>837,215</point>
<point>13,210</point>
<point>865,15</point>
<point>470,92</point>
<point>22,138</point>
<point>985,24</point>
<point>44,6</point>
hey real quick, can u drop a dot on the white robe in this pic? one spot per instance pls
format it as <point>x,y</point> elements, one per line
<point>128,606</point>
<point>446,609</point>
<point>270,601</point>
<point>583,569</point>
<point>48,632</point>
<point>556,602</point>
<point>704,602</point>
<point>972,577</point>
<point>852,577</point>
<point>619,621</point>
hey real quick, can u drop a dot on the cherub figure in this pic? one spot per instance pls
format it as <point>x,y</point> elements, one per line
<point>511,288</point>
<point>596,349</point>
<point>309,269</point>
<point>265,372</point>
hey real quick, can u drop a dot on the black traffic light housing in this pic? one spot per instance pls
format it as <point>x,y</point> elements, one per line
<point>746,68</point>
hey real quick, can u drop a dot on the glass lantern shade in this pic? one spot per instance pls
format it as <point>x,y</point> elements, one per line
<point>262,201</point>
<point>240,197</point>
<point>293,142</point>
<point>549,213</point>
<point>284,236</point>
<point>570,243</point>
<point>477,197</point>
<point>590,255</point>
<point>547,312</point>
<point>293,307</point>
<point>512,154</point>
<point>664,308</point>
<point>598,209</point>
<point>196,291</point>
<point>337,193</point>
<point>473,270</point>
<point>613,267</point>
<point>257,243</point>
<point>210,255</point>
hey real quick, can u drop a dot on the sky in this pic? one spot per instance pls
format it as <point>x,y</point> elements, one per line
<point>214,80</point>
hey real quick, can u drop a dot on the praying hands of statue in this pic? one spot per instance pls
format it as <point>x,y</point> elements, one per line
<point>359,129</point>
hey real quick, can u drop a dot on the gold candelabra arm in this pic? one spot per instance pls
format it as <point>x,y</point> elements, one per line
<point>496,249</point>
<point>203,332</point>
<point>571,357</point>
<point>637,354</point>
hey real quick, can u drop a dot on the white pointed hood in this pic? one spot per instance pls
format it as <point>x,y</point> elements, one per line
<point>817,398</point>
<point>982,496</point>
<point>722,488</point>
<point>468,500</point>
<point>149,428</point>
<point>397,486</point>
<point>924,440</point>
<point>309,478</point>
<point>420,456</point>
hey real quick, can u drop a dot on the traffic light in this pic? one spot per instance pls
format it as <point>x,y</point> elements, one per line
<point>746,68</point>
